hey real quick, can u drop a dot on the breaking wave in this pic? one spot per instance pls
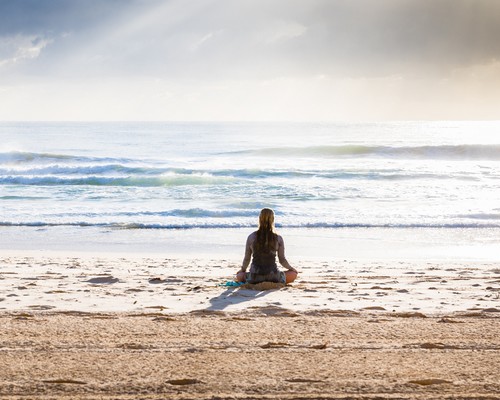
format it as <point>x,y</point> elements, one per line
<point>43,169</point>
<point>441,152</point>
<point>212,225</point>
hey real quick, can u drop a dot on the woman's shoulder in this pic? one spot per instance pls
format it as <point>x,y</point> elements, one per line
<point>252,236</point>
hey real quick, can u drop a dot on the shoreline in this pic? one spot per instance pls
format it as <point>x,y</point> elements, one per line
<point>316,244</point>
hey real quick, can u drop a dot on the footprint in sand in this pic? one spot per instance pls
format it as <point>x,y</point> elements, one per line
<point>302,380</point>
<point>427,382</point>
<point>103,280</point>
<point>67,381</point>
<point>41,307</point>
<point>181,382</point>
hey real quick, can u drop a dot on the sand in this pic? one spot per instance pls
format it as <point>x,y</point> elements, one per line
<point>111,327</point>
<point>262,353</point>
<point>107,282</point>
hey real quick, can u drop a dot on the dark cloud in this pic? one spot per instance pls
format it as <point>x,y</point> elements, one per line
<point>366,37</point>
<point>394,35</point>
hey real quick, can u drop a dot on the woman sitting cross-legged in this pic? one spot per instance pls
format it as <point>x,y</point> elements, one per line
<point>262,247</point>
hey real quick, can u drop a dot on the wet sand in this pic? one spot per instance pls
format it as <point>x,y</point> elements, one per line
<point>113,327</point>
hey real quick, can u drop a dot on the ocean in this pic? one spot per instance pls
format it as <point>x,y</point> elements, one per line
<point>155,186</point>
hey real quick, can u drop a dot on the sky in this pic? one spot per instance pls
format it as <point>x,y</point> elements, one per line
<point>249,60</point>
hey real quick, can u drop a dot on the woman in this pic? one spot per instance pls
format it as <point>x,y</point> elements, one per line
<point>262,246</point>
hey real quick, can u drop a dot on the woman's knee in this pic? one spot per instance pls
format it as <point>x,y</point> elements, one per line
<point>290,276</point>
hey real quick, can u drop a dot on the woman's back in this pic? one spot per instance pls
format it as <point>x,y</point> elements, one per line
<point>263,257</point>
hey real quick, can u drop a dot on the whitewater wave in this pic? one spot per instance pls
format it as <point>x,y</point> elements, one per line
<point>445,152</point>
<point>232,225</point>
<point>105,169</point>
<point>45,169</point>
<point>438,152</point>
<point>23,157</point>
<point>125,170</point>
<point>212,178</point>
<point>134,181</point>
<point>181,213</point>
<point>151,176</point>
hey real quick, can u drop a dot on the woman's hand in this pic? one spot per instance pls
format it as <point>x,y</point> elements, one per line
<point>241,275</point>
<point>293,269</point>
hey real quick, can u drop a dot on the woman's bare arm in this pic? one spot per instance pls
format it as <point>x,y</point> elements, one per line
<point>248,253</point>
<point>281,255</point>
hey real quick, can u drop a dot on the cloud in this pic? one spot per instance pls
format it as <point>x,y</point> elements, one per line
<point>271,38</point>
<point>284,30</point>
<point>226,59</point>
<point>20,48</point>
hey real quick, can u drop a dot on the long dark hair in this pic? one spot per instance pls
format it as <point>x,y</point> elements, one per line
<point>266,235</point>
